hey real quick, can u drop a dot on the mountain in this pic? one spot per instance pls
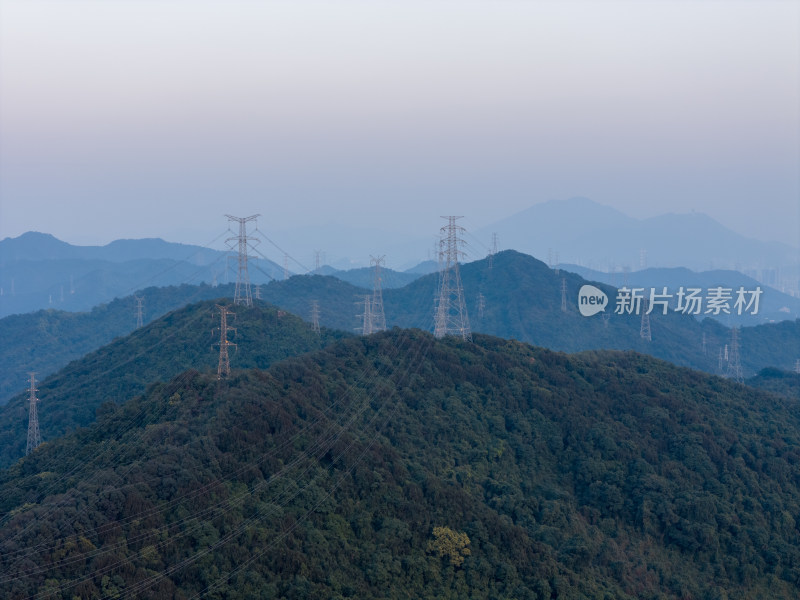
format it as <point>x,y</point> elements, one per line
<point>780,382</point>
<point>181,339</point>
<point>398,466</point>
<point>584,232</point>
<point>363,277</point>
<point>46,340</point>
<point>773,304</point>
<point>38,271</point>
<point>522,299</point>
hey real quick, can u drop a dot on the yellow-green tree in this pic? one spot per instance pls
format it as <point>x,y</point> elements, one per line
<point>450,544</point>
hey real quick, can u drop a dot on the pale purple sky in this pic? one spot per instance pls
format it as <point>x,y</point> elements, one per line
<point>155,118</point>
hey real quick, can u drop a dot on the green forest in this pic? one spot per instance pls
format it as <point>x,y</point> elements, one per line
<point>399,466</point>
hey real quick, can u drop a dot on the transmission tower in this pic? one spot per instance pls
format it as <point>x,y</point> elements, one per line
<point>481,305</point>
<point>563,294</point>
<point>317,265</point>
<point>734,364</point>
<point>606,319</point>
<point>451,310</point>
<point>285,266</point>
<point>258,292</point>
<point>366,315</point>
<point>492,251</point>
<point>722,359</point>
<point>376,311</point>
<point>139,311</point>
<point>315,316</point>
<point>705,353</point>
<point>242,294</point>
<point>224,366</point>
<point>34,437</point>
<point>644,331</point>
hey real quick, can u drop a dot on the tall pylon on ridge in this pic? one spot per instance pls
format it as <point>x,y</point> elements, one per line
<point>644,330</point>
<point>734,363</point>
<point>563,294</point>
<point>481,305</point>
<point>451,311</point>
<point>139,311</point>
<point>34,437</point>
<point>224,365</point>
<point>315,316</point>
<point>366,315</point>
<point>376,311</point>
<point>242,295</point>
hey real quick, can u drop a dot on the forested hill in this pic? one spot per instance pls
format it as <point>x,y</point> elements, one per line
<point>180,340</point>
<point>398,466</point>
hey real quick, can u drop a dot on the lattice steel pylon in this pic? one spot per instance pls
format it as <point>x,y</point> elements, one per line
<point>242,295</point>
<point>734,364</point>
<point>563,294</point>
<point>366,315</point>
<point>139,311</point>
<point>377,316</point>
<point>315,316</point>
<point>34,437</point>
<point>224,365</point>
<point>644,330</point>
<point>451,316</point>
<point>481,305</point>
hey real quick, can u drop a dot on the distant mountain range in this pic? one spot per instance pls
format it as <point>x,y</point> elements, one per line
<point>773,305</point>
<point>521,300</point>
<point>584,232</point>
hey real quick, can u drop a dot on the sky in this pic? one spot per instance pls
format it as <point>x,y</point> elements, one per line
<point>153,118</point>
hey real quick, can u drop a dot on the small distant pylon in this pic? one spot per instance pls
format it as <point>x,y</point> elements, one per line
<point>558,264</point>
<point>258,292</point>
<point>734,363</point>
<point>366,315</point>
<point>315,316</point>
<point>34,437</point>
<point>451,310</point>
<point>563,294</point>
<point>242,294</point>
<point>705,352</point>
<point>376,310</point>
<point>317,265</point>
<point>224,365</point>
<point>492,251</point>
<point>644,331</point>
<point>285,266</point>
<point>606,319</point>
<point>139,311</point>
<point>481,305</point>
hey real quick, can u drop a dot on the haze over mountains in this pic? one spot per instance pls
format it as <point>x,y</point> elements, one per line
<point>39,271</point>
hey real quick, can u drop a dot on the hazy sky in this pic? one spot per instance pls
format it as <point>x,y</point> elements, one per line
<point>155,118</point>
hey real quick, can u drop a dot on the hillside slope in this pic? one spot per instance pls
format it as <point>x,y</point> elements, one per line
<point>179,340</point>
<point>397,466</point>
